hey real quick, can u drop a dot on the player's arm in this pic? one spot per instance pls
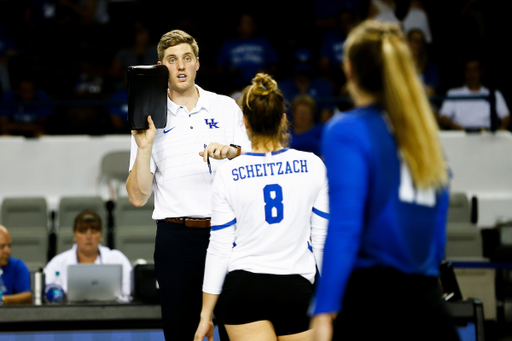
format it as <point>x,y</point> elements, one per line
<point>140,180</point>
<point>222,236</point>
<point>320,221</point>
<point>206,327</point>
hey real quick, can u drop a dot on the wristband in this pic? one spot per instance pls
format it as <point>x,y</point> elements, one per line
<point>238,150</point>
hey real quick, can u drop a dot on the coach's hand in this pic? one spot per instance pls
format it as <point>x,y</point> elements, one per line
<point>205,329</point>
<point>218,151</point>
<point>145,138</point>
<point>321,325</point>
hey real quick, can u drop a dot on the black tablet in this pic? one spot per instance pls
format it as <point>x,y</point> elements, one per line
<point>147,95</point>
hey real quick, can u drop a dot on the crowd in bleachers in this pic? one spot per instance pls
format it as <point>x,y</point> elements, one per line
<point>70,56</point>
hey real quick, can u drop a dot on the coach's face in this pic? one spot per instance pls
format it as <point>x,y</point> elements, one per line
<point>182,65</point>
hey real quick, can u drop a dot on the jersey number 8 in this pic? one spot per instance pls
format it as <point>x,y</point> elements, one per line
<point>273,196</point>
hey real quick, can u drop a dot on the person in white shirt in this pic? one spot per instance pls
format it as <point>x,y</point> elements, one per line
<point>472,114</point>
<point>87,232</point>
<point>269,222</point>
<point>177,164</point>
<point>412,15</point>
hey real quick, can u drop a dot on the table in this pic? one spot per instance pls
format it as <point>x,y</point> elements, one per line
<point>92,316</point>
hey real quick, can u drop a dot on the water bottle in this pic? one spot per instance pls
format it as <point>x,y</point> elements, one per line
<point>53,293</point>
<point>37,280</point>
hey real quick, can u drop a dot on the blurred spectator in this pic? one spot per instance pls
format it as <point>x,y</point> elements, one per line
<point>24,110</point>
<point>87,231</point>
<point>472,114</point>
<point>141,52</point>
<point>304,81</point>
<point>44,13</point>
<point>242,58</point>
<point>88,11</point>
<point>427,69</point>
<point>408,14</point>
<point>331,51</point>
<point>5,82</point>
<point>305,134</point>
<point>326,11</point>
<point>14,273</point>
<point>89,83</point>
<point>8,47</point>
<point>118,112</point>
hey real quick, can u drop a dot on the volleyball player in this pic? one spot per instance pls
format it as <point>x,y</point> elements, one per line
<point>388,201</point>
<point>269,223</point>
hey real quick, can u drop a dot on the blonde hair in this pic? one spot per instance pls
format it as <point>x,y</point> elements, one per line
<point>173,38</point>
<point>383,67</point>
<point>263,106</point>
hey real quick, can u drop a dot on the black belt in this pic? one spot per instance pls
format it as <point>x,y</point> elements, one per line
<point>190,222</point>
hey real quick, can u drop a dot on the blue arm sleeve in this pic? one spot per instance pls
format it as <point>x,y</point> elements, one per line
<point>347,172</point>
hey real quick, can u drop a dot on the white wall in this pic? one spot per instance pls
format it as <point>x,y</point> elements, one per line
<point>56,166</point>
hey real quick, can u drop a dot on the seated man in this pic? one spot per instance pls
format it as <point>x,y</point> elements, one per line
<point>472,114</point>
<point>14,273</point>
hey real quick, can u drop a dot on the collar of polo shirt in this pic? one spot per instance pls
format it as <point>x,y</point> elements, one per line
<point>202,102</point>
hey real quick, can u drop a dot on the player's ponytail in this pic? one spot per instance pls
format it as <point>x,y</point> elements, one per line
<point>383,66</point>
<point>263,106</point>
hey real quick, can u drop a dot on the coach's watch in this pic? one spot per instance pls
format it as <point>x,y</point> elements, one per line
<point>238,150</point>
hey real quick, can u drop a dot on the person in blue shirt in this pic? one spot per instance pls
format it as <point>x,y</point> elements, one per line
<point>14,273</point>
<point>304,81</point>
<point>331,49</point>
<point>305,134</point>
<point>388,194</point>
<point>118,111</point>
<point>25,110</point>
<point>427,69</point>
<point>241,58</point>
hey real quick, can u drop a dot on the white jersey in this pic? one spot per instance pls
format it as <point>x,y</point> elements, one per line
<point>269,215</point>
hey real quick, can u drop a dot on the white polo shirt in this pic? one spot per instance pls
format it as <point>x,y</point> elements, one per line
<point>472,113</point>
<point>183,184</point>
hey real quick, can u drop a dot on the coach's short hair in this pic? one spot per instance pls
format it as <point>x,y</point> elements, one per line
<point>173,38</point>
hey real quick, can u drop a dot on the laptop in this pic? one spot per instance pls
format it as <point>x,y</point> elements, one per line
<point>94,282</point>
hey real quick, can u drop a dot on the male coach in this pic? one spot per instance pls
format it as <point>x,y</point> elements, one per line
<point>168,163</point>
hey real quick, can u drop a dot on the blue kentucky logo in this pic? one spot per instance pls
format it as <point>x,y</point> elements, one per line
<point>212,123</point>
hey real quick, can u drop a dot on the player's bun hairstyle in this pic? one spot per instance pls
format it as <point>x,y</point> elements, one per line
<point>263,105</point>
<point>87,219</point>
<point>383,67</point>
<point>173,38</point>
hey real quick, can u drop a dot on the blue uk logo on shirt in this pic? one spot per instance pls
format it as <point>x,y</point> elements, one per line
<point>211,122</point>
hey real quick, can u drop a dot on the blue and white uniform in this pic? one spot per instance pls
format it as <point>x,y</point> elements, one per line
<point>377,219</point>
<point>269,216</point>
